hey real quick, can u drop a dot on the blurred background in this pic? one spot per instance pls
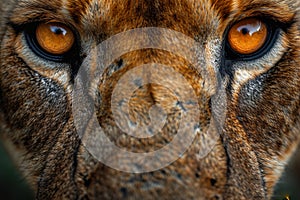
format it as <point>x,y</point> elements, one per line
<point>13,187</point>
<point>290,181</point>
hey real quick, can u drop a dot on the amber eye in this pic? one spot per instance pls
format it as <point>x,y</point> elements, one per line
<point>247,36</point>
<point>54,38</point>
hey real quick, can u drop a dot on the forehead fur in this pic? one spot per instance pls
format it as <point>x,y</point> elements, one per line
<point>187,16</point>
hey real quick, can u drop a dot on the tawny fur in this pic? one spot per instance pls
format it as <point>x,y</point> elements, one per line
<point>261,128</point>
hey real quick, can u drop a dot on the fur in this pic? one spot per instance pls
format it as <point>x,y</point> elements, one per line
<point>261,128</point>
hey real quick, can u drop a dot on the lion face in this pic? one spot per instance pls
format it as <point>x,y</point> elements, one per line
<point>164,99</point>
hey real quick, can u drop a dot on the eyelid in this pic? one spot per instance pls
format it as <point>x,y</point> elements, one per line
<point>272,36</point>
<point>29,32</point>
<point>20,26</point>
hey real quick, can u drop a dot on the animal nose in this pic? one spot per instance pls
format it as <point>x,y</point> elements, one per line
<point>146,93</point>
<point>151,87</point>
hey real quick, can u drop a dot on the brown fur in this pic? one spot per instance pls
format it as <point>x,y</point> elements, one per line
<point>259,135</point>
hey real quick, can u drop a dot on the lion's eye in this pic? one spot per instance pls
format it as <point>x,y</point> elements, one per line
<point>53,41</point>
<point>247,36</point>
<point>54,38</point>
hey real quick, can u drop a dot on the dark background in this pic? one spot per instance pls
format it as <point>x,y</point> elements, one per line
<point>13,186</point>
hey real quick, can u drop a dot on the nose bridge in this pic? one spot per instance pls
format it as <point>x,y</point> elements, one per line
<point>170,29</point>
<point>148,76</point>
<point>174,66</point>
<point>197,61</point>
<point>140,40</point>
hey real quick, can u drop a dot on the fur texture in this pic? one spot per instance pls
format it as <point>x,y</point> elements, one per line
<point>261,128</point>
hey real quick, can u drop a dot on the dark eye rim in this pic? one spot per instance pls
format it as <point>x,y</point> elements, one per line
<point>273,32</point>
<point>33,44</point>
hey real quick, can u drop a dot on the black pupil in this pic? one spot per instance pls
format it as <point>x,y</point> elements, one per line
<point>58,31</point>
<point>245,31</point>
